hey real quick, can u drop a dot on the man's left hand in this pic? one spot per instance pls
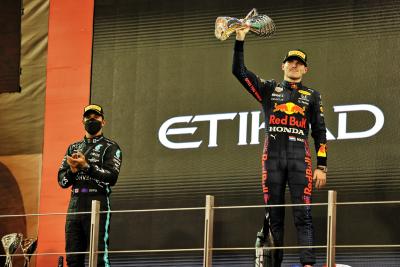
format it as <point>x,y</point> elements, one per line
<point>80,160</point>
<point>319,178</point>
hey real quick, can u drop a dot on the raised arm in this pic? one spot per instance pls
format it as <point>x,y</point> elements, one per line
<point>253,84</point>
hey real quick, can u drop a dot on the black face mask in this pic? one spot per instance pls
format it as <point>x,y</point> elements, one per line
<point>92,126</point>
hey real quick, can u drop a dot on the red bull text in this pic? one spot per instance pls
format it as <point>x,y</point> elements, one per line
<point>309,177</point>
<point>288,120</point>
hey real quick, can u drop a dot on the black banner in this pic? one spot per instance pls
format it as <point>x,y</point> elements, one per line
<point>187,127</point>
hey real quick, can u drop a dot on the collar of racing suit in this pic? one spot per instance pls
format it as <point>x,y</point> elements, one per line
<point>93,140</point>
<point>291,85</point>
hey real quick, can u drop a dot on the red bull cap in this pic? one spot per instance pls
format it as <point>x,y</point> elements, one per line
<point>298,54</point>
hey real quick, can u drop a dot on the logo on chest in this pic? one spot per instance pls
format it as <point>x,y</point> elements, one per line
<point>289,108</point>
<point>82,177</point>
<point>97,148</point>
<point>277,94</point>
<point>288,121</point>
<point>94,154</point>
<point>93,160</point>
<point>304,97</point>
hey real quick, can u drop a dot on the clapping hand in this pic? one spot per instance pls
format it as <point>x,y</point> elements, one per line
<point>76,161</point>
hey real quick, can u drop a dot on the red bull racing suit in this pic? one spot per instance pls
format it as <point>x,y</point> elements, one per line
<point>290,109</point>
<point>104,158</point>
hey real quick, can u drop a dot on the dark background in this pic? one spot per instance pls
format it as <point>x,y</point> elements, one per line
<point>10,45</point>
<point>154,60</point>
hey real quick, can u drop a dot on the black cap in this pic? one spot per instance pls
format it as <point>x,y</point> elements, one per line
<point>298,54</point>
<point>94,109</point>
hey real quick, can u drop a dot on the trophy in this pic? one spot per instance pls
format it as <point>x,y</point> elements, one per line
<point>261,25</point>
<point>28,246</point>
<point>60,261</point>
<point>10,242</point>
<point>265,256</point>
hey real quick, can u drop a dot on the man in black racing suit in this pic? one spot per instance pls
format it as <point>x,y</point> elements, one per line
<point>290,108</point>
<point>90,166</point>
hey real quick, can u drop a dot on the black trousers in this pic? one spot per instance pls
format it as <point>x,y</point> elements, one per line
<point>289,162</point>
<point>77,229</point>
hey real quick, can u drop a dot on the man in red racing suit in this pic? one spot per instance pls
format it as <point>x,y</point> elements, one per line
<point>290,109</point>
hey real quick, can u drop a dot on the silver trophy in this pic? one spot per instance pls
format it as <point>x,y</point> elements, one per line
<point>28,246</point>
<point>260,260</point>
<point>261,25</point>
<point>10,242</point>
<point>265,254</point>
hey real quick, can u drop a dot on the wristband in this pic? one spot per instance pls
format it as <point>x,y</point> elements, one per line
<point>322,168</point>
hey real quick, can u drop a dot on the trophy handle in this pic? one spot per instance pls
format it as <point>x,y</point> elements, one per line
<point>8,262</point>
<point>252,13</point>
<point>225,26</point>
<point>28,246</point>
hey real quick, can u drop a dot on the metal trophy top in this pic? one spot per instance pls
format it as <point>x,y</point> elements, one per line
<point>11,243</point>
<point>261,25</point>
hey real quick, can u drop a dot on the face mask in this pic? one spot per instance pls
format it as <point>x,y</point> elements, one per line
<point>92,126</point>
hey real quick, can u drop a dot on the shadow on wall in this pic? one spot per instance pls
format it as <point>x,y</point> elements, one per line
<point>11,203</point>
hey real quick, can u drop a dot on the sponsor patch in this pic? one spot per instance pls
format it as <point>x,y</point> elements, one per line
<point>98,147</point>
<point>304,92</point>
<point>277,95</point>
<point>91,160</point>
<point>322,150</point>
<point>309,177</point>
<point>94,154</point>
<point>118,154</point>
<point>280,129</point>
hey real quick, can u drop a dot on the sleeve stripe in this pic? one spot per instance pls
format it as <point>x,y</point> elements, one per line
<point>253,89</point>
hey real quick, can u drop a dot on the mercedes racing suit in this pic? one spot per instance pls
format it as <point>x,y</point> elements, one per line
<point>104,158</point>
<point>290,109</point>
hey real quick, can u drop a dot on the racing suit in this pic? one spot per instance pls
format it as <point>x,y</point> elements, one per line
<point>104,158</point>
<point>289,109</point>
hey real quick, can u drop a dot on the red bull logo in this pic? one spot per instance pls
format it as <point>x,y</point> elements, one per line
<point>309,177</point>
<point>322,150</point>
<point>289,108</point>
<point>288,120</point>
<point>264,178</point>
